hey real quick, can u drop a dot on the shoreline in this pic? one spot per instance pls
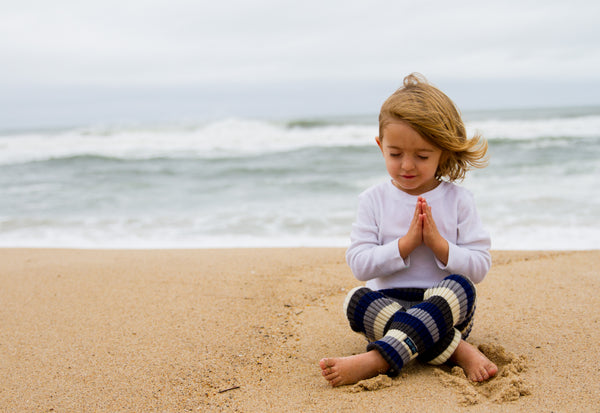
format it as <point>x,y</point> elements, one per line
<point>243,329</point>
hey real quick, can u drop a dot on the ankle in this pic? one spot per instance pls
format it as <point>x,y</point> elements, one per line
<point>380,365</point>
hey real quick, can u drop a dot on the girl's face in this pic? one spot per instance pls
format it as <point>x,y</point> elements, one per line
<point>410,160</point>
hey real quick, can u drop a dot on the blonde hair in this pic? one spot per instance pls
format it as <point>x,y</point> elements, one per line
<point>437,119</point>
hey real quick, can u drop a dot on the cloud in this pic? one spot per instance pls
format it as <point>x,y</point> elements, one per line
<point>182,42</point>
<point>66,60</point>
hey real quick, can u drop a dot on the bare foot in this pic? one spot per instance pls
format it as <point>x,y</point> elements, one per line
<point>476,365</point>
<point>352,369</point>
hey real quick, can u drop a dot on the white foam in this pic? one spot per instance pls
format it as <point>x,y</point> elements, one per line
<point>581,127</point>
<point>227,138</point>
<point>545,237</point>
<point>239,137</point>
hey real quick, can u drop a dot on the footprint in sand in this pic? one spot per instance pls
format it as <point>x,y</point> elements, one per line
<point>508,385</point>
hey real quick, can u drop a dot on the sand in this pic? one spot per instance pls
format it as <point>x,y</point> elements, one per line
<point>243,330</point>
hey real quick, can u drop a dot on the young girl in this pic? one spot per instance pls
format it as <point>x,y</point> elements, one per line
<point>418,243</point>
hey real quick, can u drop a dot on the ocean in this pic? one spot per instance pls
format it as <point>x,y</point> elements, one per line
<point>282,183</point>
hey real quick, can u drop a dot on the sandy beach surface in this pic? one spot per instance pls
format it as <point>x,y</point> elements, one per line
<point>243,330</point>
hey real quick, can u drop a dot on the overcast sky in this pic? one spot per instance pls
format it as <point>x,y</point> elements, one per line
<point>500,53</point>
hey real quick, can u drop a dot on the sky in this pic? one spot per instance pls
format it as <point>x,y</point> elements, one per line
<point>76,60</point>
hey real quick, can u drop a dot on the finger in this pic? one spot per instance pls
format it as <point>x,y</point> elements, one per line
<point>417,212</point>
<point>428,222</point>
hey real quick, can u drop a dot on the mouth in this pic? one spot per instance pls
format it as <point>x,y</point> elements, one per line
<point>407,176</point>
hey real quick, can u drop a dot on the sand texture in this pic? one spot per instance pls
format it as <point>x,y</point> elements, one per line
<point>243,330</point>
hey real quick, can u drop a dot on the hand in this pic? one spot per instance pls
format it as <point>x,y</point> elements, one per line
<point>431,236</point>
<point>423,230</point>
<point>414,236</point>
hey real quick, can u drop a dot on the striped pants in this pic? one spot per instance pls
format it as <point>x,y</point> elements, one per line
<point>406,323</point>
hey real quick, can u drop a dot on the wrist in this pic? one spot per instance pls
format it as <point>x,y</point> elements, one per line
<point>404,247</point>
<point>441,250</point>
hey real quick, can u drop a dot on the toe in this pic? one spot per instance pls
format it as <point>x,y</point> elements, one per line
<point>484,375</point>
<point>335,382</point>
<point>330,375</point>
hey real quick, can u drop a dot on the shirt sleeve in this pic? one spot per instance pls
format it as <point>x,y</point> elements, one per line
<point>366,256</point>
<point>470,255</point>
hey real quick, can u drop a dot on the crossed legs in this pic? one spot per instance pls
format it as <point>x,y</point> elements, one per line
<point>433,330</point>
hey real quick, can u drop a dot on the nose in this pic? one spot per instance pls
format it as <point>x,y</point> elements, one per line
<point>407,164</point>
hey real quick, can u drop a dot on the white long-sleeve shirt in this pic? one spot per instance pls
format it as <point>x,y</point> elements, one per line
<point>384,216</point>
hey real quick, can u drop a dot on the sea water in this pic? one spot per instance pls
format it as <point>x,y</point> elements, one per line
<point>269,183</point>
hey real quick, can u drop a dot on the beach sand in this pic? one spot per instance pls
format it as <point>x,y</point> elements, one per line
<point>243,330</point>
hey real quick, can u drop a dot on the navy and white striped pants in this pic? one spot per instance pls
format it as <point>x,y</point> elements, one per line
<point>406,323</point>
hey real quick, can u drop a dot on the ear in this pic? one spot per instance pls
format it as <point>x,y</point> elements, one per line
<point>378,140</point>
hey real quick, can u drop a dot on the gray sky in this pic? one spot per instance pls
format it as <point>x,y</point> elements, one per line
<point>320,53</point>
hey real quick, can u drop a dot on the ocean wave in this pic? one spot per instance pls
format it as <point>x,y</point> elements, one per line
<point>232,138</point>
<point>228,138</point>
<point>531,129</point>
<point>258,183</point>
